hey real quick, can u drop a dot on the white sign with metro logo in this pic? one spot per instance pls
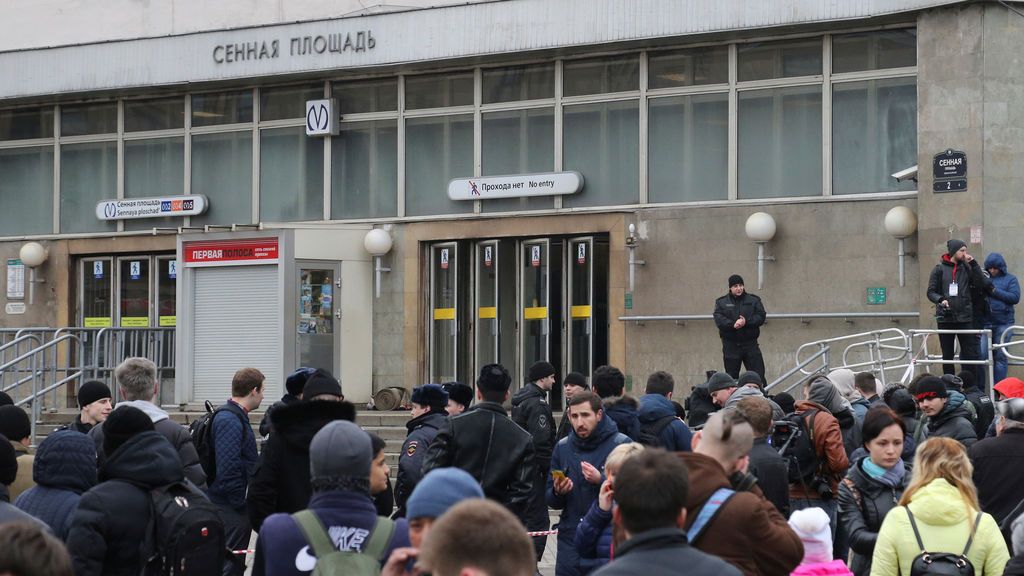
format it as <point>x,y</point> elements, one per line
<point>517,186</point>
<point>322,117</point>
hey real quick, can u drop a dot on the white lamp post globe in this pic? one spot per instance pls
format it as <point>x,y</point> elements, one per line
<point>760,227</point>
<point>33,254</point>
<point>900,222</point>
<point>377,242</point>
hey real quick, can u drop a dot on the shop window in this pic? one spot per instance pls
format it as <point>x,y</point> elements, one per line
<point>783,59</point>
<point>88,174</point>
<point>874,133</point>
<point>26,123</point>
<point>26,190</point>
<point>222,171</point>
<point>287,102</point>
<point>291,175</point>
<point>601,141</point>
<point>363,96</point>
<point>364,170</point>
<point>518,142</point>
<point>439,90</point>
<point>437,149</point>
<point>222,108</point>
<point>692,67</point>
<point>518,83</point>
<point>154,167</point>
<point>874,50</point>
<point>601,75</point>
<point>162,114</point>
<point>780,142</point>
<point>688,148</point>
<point>88,119</point>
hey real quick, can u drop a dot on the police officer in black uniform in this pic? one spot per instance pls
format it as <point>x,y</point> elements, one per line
<point>530,409</point>
<point>739,316</point>
<point>428,414</point>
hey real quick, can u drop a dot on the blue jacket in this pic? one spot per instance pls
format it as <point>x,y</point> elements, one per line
<point>594,539</point>
<point>569,455</point>
<point>234,448</point>
<point>1005,294</point>
<point>64,468</point>
<point>676,436</point>
<point>623,411</point>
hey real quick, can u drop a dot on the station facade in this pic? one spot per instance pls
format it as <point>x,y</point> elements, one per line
<point>182,170</point>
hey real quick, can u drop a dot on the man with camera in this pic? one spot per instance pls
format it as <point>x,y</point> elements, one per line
<point>949,288</point>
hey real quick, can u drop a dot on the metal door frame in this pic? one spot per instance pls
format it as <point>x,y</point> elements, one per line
<point>520,292</point>
<point>478,246</point>
<point>454,245</point>
<point>335,267</point>
<point>151,282</point>
<point>158,260</point>
<point>567,307</point>
<point>80,299</point>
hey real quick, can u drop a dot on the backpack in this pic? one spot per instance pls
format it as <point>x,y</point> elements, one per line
<point>185,535</point>
<point>333,562</point>
<point>942,563</point>
<point>201,432</point>
<point>707,513</point>
<point>795,443</point>
<point>650,432</point>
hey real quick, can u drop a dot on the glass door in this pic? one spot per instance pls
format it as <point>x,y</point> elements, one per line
<point>317,316</point>
<point>535,304</point>
<point>487,326</point>
<point>581,310</point>
<point>166,280</point>
<point>134,288</point>
<point>95,298</point>
<point>444,298</point>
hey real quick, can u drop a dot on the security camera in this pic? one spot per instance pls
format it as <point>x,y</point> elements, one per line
<point>906,174</point>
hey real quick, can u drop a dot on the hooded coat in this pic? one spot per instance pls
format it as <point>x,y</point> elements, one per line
<point>945,273</point>
<point>676,436</point>
<point>624,411</point>
<point>844,379</point>
<point>64,468</point>
<point>699,405</point>
<point>954,421</point>
<point>863,505</point>
<point>1005,293</point>
<point>828,445</point>
<point>944,521</point>
<point>748,392</point>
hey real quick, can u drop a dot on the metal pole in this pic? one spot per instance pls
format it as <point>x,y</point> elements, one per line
<point>901,252</point>
<point>760,265</point>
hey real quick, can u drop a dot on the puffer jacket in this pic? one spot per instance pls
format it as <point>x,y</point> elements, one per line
<point>624,411</point>
<point>676,435</point>
<point>64,468</point>
<point>944,521</point>
<point>1005,293</point>
<point>961,307</point>
<point>594,537</point>
<point>863,504</point>
<point>953,422</point>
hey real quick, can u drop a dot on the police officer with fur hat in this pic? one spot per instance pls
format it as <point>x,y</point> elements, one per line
<point>739,316</point>
<point>428,414</point>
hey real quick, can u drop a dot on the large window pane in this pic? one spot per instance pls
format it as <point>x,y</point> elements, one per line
<point>364,170</point>
<point>438,90</point>
<point>518,142</point>
<point>154,167</point>
<point>785,59</point>
<point>163,114</point>
<point>88,174</point>
<point>692,67</point>
<point>518,83</point>
<point>874,133</point>
<point>437,149</point>
<point>287,102</point>
<point>222,108</point>
<point>25,123</point>
<point>291,175</point>
<point>26,191</point>
<point>222,171</point>
<point>378,95</point>
<point>88,119</point>
<point>600,75</point>
<point>874,50</point>
<point>780,142</point>
<point>601,141</point>
<point>688,148</point>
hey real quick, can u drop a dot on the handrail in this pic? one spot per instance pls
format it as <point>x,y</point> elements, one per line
<point>20,339</point>
<point>775,316</point>
<point>798,368</point>
<point>987,362</point>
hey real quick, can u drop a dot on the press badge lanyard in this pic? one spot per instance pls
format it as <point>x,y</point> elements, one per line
<point>954,289</point>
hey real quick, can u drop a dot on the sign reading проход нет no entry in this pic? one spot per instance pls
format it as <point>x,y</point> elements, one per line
<point>517,186</point>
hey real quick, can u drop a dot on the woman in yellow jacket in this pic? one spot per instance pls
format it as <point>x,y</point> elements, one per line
<point>944,503</point>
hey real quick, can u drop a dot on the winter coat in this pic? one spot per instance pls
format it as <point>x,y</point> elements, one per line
<point>676,436</point>
<point>267,423</point>
<point>772,473</point>
<point>106,527</point>
<point>564,426</point>
<point>11,513</point>
<point>849,427</point>
<point>728,310</point>
<point>569,455</point>
<point>944,522</point>
<point>235,454</point>
<point>175,433</point>
<point>347,516</point>
<point>23,480</point>
<point>748,531</point>
<point>594,537</point>
<point>699,406</point>
<point>961,308</point>
<point>984,410</point>
<point>495,451</point>
<point>1005,293</point>
<point>1015,567</point>
<point>663,552</point>
<point>530,409</point>
<point>828,445</point>
<point>748,392</point>
<point>422,431</point>
<point>77,425</point>
<point>954,422</point>
<point>624,412</point>
<point>863,505</point>
<point>64,468</point>
<point>999,472</point>
<point>280,482</point>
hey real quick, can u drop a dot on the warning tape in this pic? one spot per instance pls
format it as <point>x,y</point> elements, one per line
<point>541,533</point>
<point>243,551</point>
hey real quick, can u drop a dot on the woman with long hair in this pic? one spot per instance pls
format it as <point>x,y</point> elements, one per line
<point>941,506</point>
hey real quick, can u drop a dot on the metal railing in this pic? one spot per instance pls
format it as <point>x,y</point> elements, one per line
<point>802,316</point>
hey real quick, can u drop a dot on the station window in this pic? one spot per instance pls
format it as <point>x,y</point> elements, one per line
<point>437,149</point>
<point>222,108</point>
<point>222,170</point>
<point>88,175</point>
<point>692,67</point>
<point>283,103</point>
<point>291,175</point>
<point>874,50</point>
<point>154,167</point>
<point>365,96</point>
<point>536,82</point>
<point>601,75</point>
<point>518,142</point>
<point>87,119</point>
<point>364,170</point>
<point>779,59</point>
<point>688,154</point>
<point>149,115</point>
<point>439,90</point>
<point>26,123</point>
<point>26,190</point>
<point>602,142</point>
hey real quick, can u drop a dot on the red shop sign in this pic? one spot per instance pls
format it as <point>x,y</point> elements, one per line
<point>260,250</point>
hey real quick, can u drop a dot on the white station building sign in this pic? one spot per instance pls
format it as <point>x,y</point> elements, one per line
<point>151,207</point>
<point>517,186</point>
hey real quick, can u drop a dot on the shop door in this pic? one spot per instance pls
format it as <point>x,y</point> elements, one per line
<point>444,312</point>
<point>318,315</point>
<point>495,305</point>
<point>95,296</point>
<point>587,276</point>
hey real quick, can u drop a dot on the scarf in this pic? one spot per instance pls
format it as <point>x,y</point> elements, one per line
<point>891,477</point>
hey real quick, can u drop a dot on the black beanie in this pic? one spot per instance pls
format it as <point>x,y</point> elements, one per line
<point>122,425</point>
<point>720,381</point>
<point>902,402</point>
<point>432,395</point>
<point>750,377</point>
<point>459,392</point>
<point>296,381</point>
<point>735,279</point>
<point>953,246</point>
<point>8,462</point>
<point>5,399</point>
<point>92,391</point>
<point>929,387</point>
<point>15,423</point>
<point>576,379</point>
<point>968,379</point>
<point>321,382</point>
<point>540,370</point>
<point>495,378</point>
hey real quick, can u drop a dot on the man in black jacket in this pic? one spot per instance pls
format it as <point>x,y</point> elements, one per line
<point>573,384</point>
<point>93,404</point>
<point>428,415</point>
<point>739,316</point>
<point>485,442</point>
<point>949,288</point>
<point>623,409</point>
<point>999,462</point>
<point>766,464</point>
<point>530,409</point>
<point>293,386</point>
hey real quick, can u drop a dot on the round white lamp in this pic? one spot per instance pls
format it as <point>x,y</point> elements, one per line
<point>32,254</point>
<point>378,242</point>
<point>901,222</point>
<point>760,228</point>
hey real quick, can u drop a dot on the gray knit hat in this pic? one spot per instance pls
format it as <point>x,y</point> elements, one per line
<point>340,449</point>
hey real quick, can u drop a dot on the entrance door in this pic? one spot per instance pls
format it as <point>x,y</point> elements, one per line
<point>95,297</point>
<point>318,315</point>
<point>587,263</point>
<point>444,312</point>
<point>134,290</point>
<point>495,305</point>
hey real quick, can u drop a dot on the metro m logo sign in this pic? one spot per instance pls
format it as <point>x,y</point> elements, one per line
<point>322,117</point>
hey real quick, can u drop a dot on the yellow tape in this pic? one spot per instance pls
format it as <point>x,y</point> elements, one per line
<point>488,312</point>
<point>444,313</point>
<point>581,311</point>
<point>168,321</point>
<point>98,322</point>
<point>538,313</point>
<point>135,322</point>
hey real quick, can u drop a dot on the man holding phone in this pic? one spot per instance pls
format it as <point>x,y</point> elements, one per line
<point>949,288</point>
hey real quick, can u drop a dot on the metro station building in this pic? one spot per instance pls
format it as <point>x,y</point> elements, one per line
<point>519,154</point>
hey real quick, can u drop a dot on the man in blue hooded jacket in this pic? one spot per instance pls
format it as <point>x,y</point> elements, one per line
<point>577,471</point>
<point>1004,296</point>
<point>658,423</point>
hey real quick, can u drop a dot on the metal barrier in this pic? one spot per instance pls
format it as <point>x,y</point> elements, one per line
<point>802,316</point>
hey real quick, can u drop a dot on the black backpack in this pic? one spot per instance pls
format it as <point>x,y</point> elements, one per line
<point>185,535</point>
<point>650,432</point>
<point>941,563</point>
<point>201,431</point>
<point>794,440</point>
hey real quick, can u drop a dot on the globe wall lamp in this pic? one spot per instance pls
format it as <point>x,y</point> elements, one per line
<point>760,229</point>
<point>33,254</point>
<point>378,242</point>
<point>901,222</point>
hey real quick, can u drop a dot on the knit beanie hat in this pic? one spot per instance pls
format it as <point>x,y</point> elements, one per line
<point>14,423</point>
<point>967,379</point>
<point>321,382</point>
<point>750,377</point>
<point>494,377</point>
<point>439,490</point>
<point>812,526</point>
<point>122,425</point>
<point>296,381</point>
<point>576,379</point>
<point>431,395</point>
<point>953,246</point>
<point>929,387</point>
<point>5,399</point>
<point>339,450</point>
<point>540,370</point>
<point>952,383</point>
<point>92,391</point>
<point>720,381</point>
<point>902,402</point>
<point>735,279</point>
<point>785,401</point>
<point>8,462</point>
<point>458,392</point>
